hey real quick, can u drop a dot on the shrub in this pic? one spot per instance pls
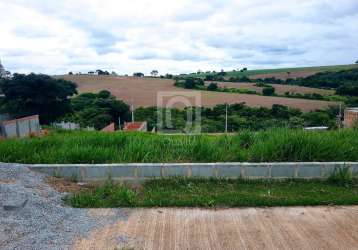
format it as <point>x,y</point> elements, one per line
<point>212,87</point>
<point>268,91</point>
<point>341,176</point>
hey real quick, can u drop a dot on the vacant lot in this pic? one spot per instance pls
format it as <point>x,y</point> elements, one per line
<point>280,88</point>
<point>44,223</point>
<point>143,92</point>
<point>279,145</point>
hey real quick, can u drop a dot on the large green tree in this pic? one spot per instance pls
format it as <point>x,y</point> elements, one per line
<point>98,110</point>
<point>37,94</point>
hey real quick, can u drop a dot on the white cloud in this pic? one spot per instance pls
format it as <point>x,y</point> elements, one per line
<point>175,36</point>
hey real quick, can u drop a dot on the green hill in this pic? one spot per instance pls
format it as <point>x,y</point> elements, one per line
<point>315,69</point>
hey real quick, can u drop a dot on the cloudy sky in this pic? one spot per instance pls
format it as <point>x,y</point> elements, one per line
<point>175,36</point>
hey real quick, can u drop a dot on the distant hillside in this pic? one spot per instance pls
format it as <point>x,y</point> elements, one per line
<point>143,92</point>
<point>283,73</point>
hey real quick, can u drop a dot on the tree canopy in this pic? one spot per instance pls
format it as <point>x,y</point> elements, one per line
<point>242,117</point>
<point>97,110</point>
<point>189,82</point>
<point>268,91</point>
<point>212,87</point>
<point>37,94</point>
<point>138,74</point>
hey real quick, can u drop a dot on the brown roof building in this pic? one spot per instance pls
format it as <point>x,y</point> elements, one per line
<point>135,126</point>
<point>350,117</point>
<point>109,128</point>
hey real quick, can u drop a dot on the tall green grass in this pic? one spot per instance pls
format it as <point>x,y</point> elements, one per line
<point>180,192</point>
<point>97,147</point>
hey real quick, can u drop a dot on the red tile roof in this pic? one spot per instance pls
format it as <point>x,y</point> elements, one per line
<point>109,128</point>
<point>133,126</point>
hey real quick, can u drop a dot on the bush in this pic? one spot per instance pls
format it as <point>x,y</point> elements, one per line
<point>212,87</point>
<point>341,176</point>
<point>189,82</point>
<point>317,119</point>
<point>347,90</point>
<point>268,91</point>
<point>262,85</point>
<point>108,195</point>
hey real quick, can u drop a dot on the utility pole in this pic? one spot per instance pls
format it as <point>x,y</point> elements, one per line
<point>226,118</point>
<point>132,111</point>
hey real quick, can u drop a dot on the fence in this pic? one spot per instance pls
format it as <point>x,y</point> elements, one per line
<point>70,126</point>
<point>66,125</point>
<point>22,127</point>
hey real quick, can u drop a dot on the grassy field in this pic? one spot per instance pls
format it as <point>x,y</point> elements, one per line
<point>279,145</point>
<point>282,72</point>
<point>280,89</point>
<point>178,192</point>
<point>143,93</point>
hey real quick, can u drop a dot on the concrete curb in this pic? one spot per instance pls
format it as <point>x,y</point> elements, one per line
<point>143,171</point>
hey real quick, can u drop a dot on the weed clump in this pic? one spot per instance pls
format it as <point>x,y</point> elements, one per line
<point>341,176</point>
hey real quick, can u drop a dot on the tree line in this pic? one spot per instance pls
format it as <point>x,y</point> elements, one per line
<point>58,99</point>
<point>242,117</point>
<point>345,83</point>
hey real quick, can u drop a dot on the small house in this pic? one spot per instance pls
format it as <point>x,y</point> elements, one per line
<point>350,117</point>
<point>135,126</point>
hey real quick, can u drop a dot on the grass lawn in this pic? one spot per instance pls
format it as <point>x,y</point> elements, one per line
<point>179,192</point>
<point>279,145</point>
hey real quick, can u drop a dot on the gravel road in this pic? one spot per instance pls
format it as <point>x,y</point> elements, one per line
<point>32,214</point>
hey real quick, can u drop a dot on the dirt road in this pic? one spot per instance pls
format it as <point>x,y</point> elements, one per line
<point>251,228</point>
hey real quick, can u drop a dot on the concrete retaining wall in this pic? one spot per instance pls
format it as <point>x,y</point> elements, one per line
<point>142,171</point>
